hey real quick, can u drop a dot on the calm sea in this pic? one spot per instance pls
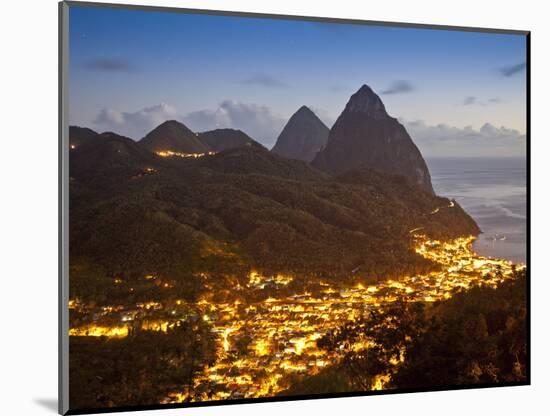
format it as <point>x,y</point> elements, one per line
<point>493,192</point>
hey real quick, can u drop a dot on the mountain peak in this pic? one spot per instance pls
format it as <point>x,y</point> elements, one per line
<point>304,109</point>
<point>365,136</point>
<point>302,137</point>
<point>171,124</point>
<point>175,136</point>
<point>366,101</point>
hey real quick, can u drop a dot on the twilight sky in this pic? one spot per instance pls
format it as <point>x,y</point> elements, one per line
<point>458,93</point>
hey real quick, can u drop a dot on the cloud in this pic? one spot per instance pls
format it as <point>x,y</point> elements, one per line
<point>265,80</point>
<point>134,124</point>
<point>471,100</point>
<point>511,70</point>
<point>399,87</point>
<point>109,65</point>
<point>443,140</point>
<point>258,121</point>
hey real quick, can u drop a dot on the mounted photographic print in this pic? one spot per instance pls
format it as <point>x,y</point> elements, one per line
<point>264,208</point>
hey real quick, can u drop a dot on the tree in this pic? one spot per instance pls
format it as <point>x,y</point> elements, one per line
<point>478,336</point>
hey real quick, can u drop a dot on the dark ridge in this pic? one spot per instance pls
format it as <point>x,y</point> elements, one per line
<point>224,139</point>
<point>258,160</point>
<point>80,135</point>
<point>108,159</point>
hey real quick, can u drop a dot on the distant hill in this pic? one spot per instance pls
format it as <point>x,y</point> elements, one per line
<point>173,136</point>
<point>365,136</point>
<point>223,139</point>
<point>303,136</point>
<point>107,158</point>
<point>80,135</point>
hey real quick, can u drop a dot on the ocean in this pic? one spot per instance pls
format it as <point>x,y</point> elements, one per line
<point>494,193</point>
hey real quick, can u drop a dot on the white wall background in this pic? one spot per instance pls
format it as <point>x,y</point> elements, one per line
<point>28,205</point>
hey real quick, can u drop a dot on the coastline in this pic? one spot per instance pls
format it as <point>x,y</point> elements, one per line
<point>493,193</point>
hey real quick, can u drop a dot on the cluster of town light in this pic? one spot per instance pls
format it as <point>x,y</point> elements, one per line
<point>170,153</point>
<point>284,330</point>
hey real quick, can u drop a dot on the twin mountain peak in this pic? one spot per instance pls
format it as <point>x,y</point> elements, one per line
<point>363,136</point>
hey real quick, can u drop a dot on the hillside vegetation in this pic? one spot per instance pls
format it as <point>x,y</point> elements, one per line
<point>134,213</point>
